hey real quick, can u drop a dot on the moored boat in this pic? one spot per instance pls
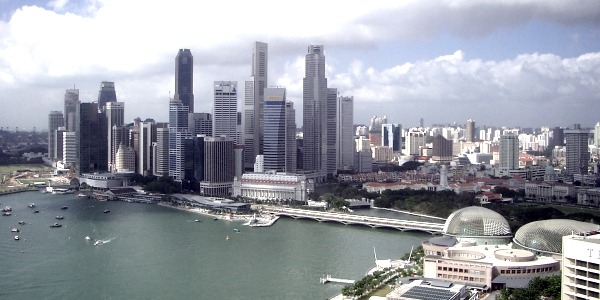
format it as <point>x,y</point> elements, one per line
<point>31,205</point>
<point>59,217</point>
<point>16,237</point>
<point>56,225</point>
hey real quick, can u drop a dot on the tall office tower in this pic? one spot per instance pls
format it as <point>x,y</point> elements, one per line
<point>442,148</point>
<point>597,135</point>
<point>200,123</point>
<point>69,149</point>
<point>558,137</point>
<point>92,140</point>
<point>252,110</point>
<point>184,78</point>
<point>55,120</point>
<point>147,138</point>
<point>345,134</point>
<point>161,152</point>
<point>470,132</point>
<point>106,94</point>
<point>421,123</point>
<point>415,139</point>
<point>58,143</point>
<point>70,111</point>
<point>178,132</point>
<point>314,102</point>
<point>194,163</point>
<point>115,116</point>
<point>219,166</point>
<point>577,152</point>
<point>225,109</point>
<point>391,136</point>
<point>509,152</point>
<point>332,130</point>
<point>124,159</point>
<point>277,138</point>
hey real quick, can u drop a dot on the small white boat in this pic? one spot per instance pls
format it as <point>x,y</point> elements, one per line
<point>236,230</point>
<point>87,238</point>
<point>31,205</point>
<point>15,230</point>
<point>197,220</point>
<point>59,217</point>
<point>98,243</point>
<point>16,237</point>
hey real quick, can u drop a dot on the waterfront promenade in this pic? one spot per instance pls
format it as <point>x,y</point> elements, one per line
<point>348,219</point>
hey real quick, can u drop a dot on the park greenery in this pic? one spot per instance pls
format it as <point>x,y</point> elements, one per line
<point>440,204</point>
<point>547,287</point>
<point>154,184</point>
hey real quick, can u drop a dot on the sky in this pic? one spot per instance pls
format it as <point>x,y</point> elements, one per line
<point>527,63</point>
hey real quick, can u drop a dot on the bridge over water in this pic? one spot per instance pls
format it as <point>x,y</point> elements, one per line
<point>347,219</point>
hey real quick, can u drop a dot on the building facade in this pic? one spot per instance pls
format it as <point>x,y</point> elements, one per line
<point>345,134</point>
<point>70,111</point>
<point>184,78</point>
<point>178,132</point>
<point>273,186</point>
<point>106,94</point>
<point>55,120</point>
<point>509,152</point>
<point>580,267</point>
<point>92,139</point>
<point>219,166</point>
<point>391,136</point>
<point>115,115</point>
<point>225,109</point>
<point>577,154</point>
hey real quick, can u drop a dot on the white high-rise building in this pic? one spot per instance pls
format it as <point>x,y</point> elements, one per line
<point>415,139</point>
<point>314,102</point>
<point>332,130</point>
<point>225,110</point>
<point>178,132</point>
<point>115,115</point>
<point>252,109</point>
<point>55,120</point>
<point>580,267</point>
<point>69,148</point>
<point>345,134</point>
<point>509,152</point>
<point>124,159</point>
<point>161,152</point>
<point>577,152</point>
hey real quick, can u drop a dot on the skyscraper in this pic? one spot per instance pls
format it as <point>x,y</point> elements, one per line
<point>219,166</point>
<point>161,152</point>
<point>314,102</point>
<point>200,123</point>
<point>252,126</point>
<point>194,163</point>
<point>91,139</point>
<point>577,152</point>
<point>147,139</point>
<point>415,139</point>
<point>178,132</point>
<point>345,133</point>
<point>470,132</point>
<point>106,94</point>
<point>225,109</point>
<point>70,112</point>
<point>509,152</point>
<point>442,148</point>
<point>115,115</point>
<point>55,120</point>
<point>184,78</point>
<point>332,130</point>
<point>391,136</point>
<point>279,142</point>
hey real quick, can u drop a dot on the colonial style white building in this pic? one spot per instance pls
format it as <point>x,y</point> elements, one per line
<point>544,192</point>
<point>273,186</point>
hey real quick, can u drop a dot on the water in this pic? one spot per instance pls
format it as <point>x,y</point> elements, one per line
<point>154,252</point>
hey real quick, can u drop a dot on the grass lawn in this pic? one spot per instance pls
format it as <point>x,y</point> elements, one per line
<point>36,167</point>
<point>570,210</point>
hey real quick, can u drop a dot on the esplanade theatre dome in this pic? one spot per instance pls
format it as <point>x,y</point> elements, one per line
<point>546,235</point>
<point>476,221</point>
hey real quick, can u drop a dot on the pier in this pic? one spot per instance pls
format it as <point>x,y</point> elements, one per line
<point>328,279</point>
<point>348,219</point>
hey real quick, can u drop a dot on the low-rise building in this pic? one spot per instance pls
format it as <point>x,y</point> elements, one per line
<point>273,186</point>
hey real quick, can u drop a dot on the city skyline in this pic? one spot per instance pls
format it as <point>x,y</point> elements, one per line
<point>529,64</point>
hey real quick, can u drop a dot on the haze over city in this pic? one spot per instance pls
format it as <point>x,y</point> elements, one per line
<point>525,63</point>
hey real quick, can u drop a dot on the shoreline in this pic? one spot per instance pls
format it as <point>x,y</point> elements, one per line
<point>196,210</point>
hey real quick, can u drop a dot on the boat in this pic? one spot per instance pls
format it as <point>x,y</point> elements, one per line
<point>227,238</point>
<point>82,195</point>
<point>106,211</point>
<point>6,213</point>
<point>7,209</point>
<point>16,237</point>
<point>215,219</point>
<point>36,211</point>
<point>98,242</point>
<point>59,217</point>
<point>64,207</point>
<point>15,230</point>
<point>56,225</point>
<point>236,230</point>
<point>31,205</point>
<point>197,220</point>
<point>22,222</point>
<point>87,238</point>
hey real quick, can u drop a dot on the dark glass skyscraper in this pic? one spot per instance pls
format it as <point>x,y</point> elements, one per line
<point>91,139</point>
<point>106,94</point>
<point>184,78</point>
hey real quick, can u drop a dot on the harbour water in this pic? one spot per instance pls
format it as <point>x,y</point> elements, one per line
<point>154,252</point>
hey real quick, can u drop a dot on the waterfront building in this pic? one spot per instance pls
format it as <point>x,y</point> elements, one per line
<point>70,111</point>
<point>345,137</point>
<point>194,163</point>
<point>178,132</point>
<point>124,159</point>
<point>219,166</point>
<point>470,131</point>
<point>147,138</point>
<point>161,152</point>
<point>577,154</point>
<point>184,78</point>
<point>580,266</point>
<point>200,123</point>
<point>314,101</point>
<point>55,120</point>
<point>476,250</point>
<point>391,136</point>
<point>115,115</point>
<point>92,139</point>
<point>225,109</point>
<point>69,156</point>
<point>273,186</point>
<point>279,131</point>
<point>106,94</point>
<point>252,109</point>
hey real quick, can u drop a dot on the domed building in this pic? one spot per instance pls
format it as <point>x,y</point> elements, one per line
<point>545,237</point>
<point>478,225</point>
